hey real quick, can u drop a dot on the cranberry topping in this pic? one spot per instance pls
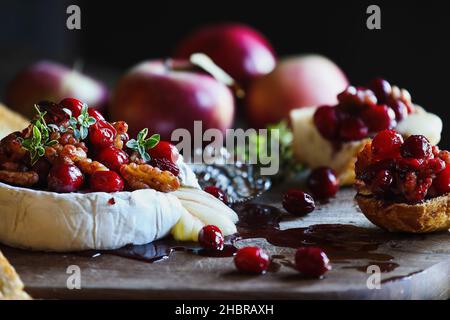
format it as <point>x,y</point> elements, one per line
<point>362,112</point>
<point>210,237</point>
<point>112,157</point>
<point>102,134</point>
<point>416,147</point>
<point>164,150</point>
<point>217,192</point>
<point>106,181</point>
<point>326,121</point>
<point>95,114</point>
<point>381,88</point>
<point>298,202</point>
<point>55,113</point>
<point>65,177</point>
<point>165,165</point>
<point>410,171</point>
<point>312,261</point>
<point>441,184</point>
<point>323,183</point>
<point>353,129</point>
<point>252,260</point>
<point>74,105</point>
<point>386,144</point>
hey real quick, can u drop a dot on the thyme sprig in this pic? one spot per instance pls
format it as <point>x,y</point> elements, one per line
<point>141,145</point>
<point>40,137</point>
<point>80,125</point>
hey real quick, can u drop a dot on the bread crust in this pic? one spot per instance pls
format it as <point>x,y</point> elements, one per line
<point>429,216</point>
<point>11,287</point>
<point>11,121</point>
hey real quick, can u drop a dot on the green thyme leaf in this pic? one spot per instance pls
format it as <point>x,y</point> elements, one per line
<point>141,145</point>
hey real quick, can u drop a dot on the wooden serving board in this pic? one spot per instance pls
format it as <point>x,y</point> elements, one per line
<point>423,271</point>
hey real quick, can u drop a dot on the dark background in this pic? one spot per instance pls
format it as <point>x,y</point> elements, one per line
<point>410,50</point>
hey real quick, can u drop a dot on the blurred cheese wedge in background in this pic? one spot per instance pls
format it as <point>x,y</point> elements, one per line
<point>10,121</point>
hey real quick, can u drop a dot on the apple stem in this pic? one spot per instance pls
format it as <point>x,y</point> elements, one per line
<point>206,63</point>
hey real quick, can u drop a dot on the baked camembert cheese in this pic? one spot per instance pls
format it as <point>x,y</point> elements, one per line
<point>73,181</point>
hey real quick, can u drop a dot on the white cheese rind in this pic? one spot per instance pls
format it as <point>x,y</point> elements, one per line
<point>49,221</point>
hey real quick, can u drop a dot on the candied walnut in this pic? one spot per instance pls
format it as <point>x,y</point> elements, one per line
<point>144,176</point>
<point>23,179</point>
<point>11,149</point>
<point>122,129</point>
<point>88,166</point>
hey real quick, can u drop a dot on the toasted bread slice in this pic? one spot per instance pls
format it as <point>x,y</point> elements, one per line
<point>11,287</point>
<point>429,216</point>
<point>10,121</point>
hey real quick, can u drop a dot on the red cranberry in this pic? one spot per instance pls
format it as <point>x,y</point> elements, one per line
<point>74,105</point>
<point>386,144</point>
<point>106,181</point>
<point>55,114</point>
<point>218,193</point>
<point>312,261</point>
<point>352,98</point>
<point>210,237</point>
<point>252,260</point>
<point>95,114</point>
<point>381,88</point>
<point>65,177</point>
<point>378,118</point>
<point>42,168</point>
<point>326,122</point>
<point>382,182</point>
<point>399,108</point>
<point>112,157</point>
<point>353,129</point>
<point>298,202</point>
<point>165,165</point>
<point>102,134</point>
<point>416,146</point>
<point>164,150</point>
<point>323,182</point>
<point>432,166</point>
<point>441,184</point>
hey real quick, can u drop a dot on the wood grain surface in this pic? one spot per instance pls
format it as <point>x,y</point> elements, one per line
<point>423,271</point>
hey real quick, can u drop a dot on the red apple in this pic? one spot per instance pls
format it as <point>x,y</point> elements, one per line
<point>46,80</point>
<point>241,51</point>
<point>164,97</point>
<point>309,80</point>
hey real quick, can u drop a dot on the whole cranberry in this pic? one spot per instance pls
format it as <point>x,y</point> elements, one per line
<point>74,105</point>
<point>164,150</point>
<point>312,261</point>
<point>112,157</point>
<point>378,118</point>
<point>65,177</point>
<point>326,122</point>
<point>386,144</point>
<point>416,146</point>
<point>55,114</point>
<point>102,134</point>
<point>432,166</point>
<point>381,88</point>
<point>399,108</point>
<point>95,114</point>
<point>217,192</point>
<point>323,183</point>
<point>106,181</point>
<point>298,202</point>
<point>211,238</point>
<point>441,184</point>
<point>353,129</point>
<point>252,260</point>
<point>165,165</point>
<point>382,182</point>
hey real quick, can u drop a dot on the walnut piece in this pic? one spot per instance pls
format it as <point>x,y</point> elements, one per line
<point>144,176</point>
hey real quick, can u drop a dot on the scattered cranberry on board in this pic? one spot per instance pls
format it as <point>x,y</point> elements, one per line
<point>252,260</point>
<point>312,261</point>
<point>211,238</point>
<point>323,183</point>
<point>298,202</point>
